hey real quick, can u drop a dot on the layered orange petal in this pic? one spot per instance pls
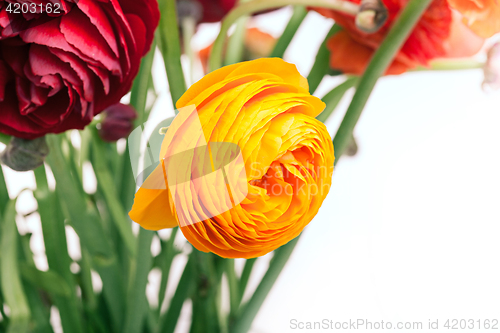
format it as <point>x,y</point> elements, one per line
<point>152,209</point>
<point>248,165</point>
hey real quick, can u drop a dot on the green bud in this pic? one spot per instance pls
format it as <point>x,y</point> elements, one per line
<point>25,155</point>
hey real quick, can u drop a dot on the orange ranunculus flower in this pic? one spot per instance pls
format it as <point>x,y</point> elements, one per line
<point>439,33</point>
<point>245,164</point>
<point>482,16</point>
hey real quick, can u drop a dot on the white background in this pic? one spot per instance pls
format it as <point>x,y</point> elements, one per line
<point>410,230</point>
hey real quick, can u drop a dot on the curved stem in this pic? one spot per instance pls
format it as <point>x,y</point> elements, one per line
<point>377,67</point>
<point>452,65</point>
<point>256,6</point>
<point>322,61</point>
<point>299,14</point>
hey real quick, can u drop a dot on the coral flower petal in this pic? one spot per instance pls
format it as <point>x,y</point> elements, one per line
<point>482,16</point>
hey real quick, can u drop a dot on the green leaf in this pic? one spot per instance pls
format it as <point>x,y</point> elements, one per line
<point>186,285</point>
<point>56,249</point>
<point>48,281</point>
<point>137,304</point>
<point>10,278</point>
<point>166,257</point>
<point>39,306</point>
<point>88,225</point>
<point>107,186</point>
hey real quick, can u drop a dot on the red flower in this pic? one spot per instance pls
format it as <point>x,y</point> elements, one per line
<point>58,75</point>
<point>215,10</point>
<point>439,33</point>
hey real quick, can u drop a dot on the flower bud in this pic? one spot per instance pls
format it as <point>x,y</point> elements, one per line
<point>372,16</point>
<point>118,122</point>
<point>189,8</point>
<point>25,155</point>
<point>492,69</point>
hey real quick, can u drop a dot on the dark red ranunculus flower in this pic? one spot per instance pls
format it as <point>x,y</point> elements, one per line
<point>58,75</point>
<point>118,122</point>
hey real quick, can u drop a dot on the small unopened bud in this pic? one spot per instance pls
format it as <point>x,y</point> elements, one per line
<point>352,148</point>
<point>372,16</point>
<point>25,155</point>
<point>118,122</point>
<point>189,9</point>
<point>492,69</point>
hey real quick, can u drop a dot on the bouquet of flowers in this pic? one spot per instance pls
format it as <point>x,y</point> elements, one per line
<point>240,163</point>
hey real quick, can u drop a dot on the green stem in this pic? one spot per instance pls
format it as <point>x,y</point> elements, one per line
<point>186,285</point>
<point>322,62</point>
<point>234,293</point>
<point>205,318</point>
<point>188,31</point>
<point>88,294</point>
<point>139,92</point>
<point>377,67</point>
<point>137,304</point>
<point>452,65</point>
<point>171,49</point>
<point>4,194</point>
<point>256,6</point>
<point>250,310</point>
<point>236,43</point>
<point>332,99</point>
<point>299,14</point>
<point>245,276</point>
<point>168,253</point>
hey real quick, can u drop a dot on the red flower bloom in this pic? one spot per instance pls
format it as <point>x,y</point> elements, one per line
<point>437,34</point>
<point>215,10</point>
<point>58,75</point>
